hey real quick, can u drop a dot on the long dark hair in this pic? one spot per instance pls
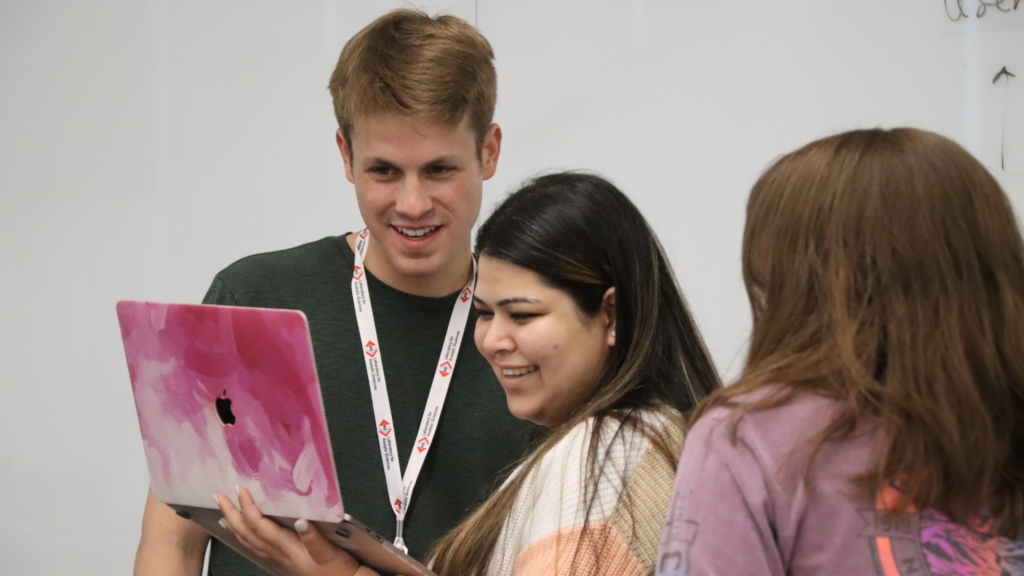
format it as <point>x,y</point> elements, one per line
<point>582,235</point>
<point>885,269</point>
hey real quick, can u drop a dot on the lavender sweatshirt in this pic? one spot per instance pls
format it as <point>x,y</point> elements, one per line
<point>742,507</point>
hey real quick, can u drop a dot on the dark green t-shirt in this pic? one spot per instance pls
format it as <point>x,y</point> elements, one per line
<point>477,437</point>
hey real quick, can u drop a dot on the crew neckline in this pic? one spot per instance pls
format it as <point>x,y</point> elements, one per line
<point>378,284</point>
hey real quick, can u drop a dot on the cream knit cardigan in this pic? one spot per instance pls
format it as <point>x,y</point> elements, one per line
<point>544,534</point>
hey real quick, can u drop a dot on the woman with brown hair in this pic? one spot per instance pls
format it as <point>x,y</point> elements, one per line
<point>878,426</point>
<point>582,320</point>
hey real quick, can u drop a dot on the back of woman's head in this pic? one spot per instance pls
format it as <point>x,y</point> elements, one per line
<point>886,269</point>
<point>582,235</point>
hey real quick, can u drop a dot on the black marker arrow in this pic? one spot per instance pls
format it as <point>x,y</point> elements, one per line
<point>1004,73</point>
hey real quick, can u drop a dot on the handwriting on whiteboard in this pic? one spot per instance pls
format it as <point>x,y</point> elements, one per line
<point>955,8</point>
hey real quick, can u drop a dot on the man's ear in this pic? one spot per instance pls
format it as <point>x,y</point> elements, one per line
<point>346,155</point>
<point>607,315</point>
<point>490,151</point>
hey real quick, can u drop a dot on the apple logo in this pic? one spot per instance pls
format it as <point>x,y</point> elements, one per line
<point>224,409</point>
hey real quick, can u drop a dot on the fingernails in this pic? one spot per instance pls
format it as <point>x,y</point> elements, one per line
<point>217,500</point>
<point>222,524</point>
<point>301,526</point>
<point>238,490</point>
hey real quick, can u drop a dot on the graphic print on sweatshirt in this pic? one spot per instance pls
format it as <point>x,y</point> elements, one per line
<point>902,545</point>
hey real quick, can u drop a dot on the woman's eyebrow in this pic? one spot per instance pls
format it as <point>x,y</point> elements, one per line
<point>517,300</point>
<point>507,301</point>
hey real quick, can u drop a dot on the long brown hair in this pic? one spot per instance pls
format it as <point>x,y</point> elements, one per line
<point>885,269</point>
<point>582,235</point>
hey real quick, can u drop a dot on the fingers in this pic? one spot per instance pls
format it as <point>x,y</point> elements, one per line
<point>236,523</point>
<point>307,552</point>
<point>260,534</point>
<point>322,552</point>
<point>285,543</point>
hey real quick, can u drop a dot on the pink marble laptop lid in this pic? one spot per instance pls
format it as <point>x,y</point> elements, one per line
<point>229,396</point>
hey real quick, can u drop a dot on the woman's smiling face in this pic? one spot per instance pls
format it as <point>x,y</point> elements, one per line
<point>546,354</point>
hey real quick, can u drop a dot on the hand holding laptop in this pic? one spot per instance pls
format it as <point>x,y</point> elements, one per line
<point>229,396</point>
<point>304,552</point>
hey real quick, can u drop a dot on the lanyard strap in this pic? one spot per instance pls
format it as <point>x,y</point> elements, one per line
<point>400,487</point>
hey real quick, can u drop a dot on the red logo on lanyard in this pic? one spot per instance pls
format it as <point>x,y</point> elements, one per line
<point>466,293</point>
<point>371,349</point>
<point>364,233</point>
<point>357,273</point>
<point>385,427</point>
<point>446,369</point>
<point>398,505</point>
<point>422,444</point>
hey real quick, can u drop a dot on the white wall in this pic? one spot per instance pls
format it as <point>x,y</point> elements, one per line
<point>146,144</point>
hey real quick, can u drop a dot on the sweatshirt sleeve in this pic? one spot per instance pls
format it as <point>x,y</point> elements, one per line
<point>720,520</point>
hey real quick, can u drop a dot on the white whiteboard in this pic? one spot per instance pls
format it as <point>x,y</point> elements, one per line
<point>146,145</point>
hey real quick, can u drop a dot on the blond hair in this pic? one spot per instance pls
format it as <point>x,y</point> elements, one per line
<point>439,69</point>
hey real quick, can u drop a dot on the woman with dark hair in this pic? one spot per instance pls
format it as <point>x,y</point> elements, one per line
<point>587,331</point>
<point>585,327</point>
<point>878,426</point>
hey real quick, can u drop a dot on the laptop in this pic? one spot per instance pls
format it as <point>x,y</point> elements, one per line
<point>229,396</point>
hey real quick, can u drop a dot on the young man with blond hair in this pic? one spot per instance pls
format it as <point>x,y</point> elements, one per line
<point>414,97</point>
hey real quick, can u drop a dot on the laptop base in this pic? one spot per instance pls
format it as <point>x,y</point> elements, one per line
<point>350,535</point>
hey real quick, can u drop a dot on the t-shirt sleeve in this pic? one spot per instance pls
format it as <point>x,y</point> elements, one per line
<point>219,293</point>
<point>720,518</point>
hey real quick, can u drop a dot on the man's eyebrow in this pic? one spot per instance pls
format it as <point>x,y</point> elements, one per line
<point>440,160</point>
<point>377,160</point>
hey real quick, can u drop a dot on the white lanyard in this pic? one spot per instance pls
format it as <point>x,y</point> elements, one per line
<point>400,487</point>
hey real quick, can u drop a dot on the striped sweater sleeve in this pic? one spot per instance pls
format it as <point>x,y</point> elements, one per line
<point>557,526</point>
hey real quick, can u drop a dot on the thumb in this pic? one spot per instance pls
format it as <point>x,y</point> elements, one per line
<point>322,552</point>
